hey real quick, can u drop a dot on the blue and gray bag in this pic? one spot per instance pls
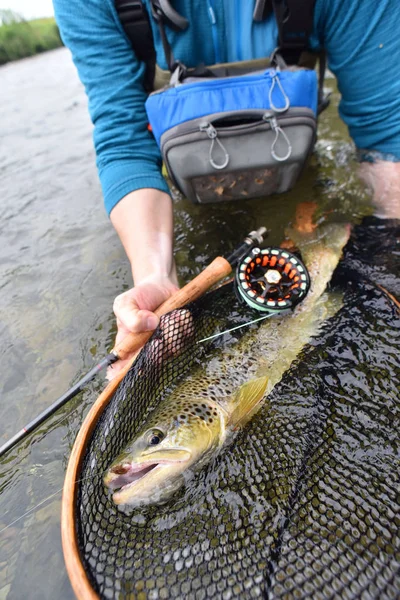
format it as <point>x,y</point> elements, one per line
<point>238,135</point>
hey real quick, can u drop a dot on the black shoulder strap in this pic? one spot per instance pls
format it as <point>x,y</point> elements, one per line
<point>295,20</point>
<point>135,21</point>
<point>295,24</point>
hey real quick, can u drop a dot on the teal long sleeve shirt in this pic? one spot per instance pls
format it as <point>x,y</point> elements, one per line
<point>361,38</point>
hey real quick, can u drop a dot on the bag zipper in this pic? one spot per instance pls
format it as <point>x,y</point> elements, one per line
<point>267,114</point>
<point>212,133</point>
<point>218,81</point>
<point>268,118</point>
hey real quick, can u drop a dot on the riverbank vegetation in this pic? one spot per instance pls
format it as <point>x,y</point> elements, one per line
<point>20,38</point>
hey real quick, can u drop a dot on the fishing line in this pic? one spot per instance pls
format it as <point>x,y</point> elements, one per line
<point>234,328</point>
<point>28,512</point>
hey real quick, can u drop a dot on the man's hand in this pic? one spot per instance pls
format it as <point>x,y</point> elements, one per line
<point>134,311</point>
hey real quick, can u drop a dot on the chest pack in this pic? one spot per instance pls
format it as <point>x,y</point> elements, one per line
<point>232,131</point>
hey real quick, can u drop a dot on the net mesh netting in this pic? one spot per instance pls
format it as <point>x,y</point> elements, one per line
<point>304,501</point>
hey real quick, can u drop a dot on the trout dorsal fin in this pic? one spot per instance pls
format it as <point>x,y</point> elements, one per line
<point>246,399</point>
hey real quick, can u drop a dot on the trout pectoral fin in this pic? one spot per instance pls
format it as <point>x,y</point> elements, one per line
<point>246,399</point>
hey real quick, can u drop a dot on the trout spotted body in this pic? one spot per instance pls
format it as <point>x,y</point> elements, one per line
<point>192,423</point>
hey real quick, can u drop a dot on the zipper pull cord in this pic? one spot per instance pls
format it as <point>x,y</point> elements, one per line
<point>278,131</point>
<point>212,134</point>
<point>277,82</point>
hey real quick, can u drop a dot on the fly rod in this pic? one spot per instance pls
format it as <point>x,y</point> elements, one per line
<point>212,274</point>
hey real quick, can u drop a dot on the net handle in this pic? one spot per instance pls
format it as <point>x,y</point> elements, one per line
<point>216,271</point>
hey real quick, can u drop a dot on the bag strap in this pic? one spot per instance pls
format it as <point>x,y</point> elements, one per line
<point>294,19</point>
<point>135,21</point>
<point>323,99</point>
<point>164,14</point>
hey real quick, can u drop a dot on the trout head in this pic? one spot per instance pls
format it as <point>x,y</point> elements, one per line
<point>178,436</point>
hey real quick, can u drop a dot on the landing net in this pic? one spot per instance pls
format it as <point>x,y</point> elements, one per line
<point>304,501</point>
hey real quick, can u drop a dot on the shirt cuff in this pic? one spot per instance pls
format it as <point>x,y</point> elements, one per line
<point>118,180</point>
<point>372,156</point>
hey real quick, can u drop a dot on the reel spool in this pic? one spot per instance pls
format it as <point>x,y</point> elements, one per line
<point>272,280</point>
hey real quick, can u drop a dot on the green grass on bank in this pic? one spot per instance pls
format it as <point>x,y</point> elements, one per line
<point>26,38</point>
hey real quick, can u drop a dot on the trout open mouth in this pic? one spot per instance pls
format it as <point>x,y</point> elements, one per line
<point>126,475</point>
<point>122,476</point>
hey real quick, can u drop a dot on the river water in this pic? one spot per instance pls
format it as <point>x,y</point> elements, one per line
<point>61,265</point>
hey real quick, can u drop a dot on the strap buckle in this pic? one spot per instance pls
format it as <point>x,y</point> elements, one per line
<point>178,72</point>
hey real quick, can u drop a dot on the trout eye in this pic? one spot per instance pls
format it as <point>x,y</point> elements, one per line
<point>155,437</point>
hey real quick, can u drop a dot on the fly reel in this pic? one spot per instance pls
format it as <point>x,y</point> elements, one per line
<point>272,280</point>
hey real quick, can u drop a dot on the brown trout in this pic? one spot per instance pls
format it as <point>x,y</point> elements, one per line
<point>193,423</point>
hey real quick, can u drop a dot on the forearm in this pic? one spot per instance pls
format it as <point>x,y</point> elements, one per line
<point>383,179</point>
<point>143,220</point>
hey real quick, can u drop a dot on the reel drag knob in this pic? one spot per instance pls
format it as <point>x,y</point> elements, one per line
<point>272,280</point>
